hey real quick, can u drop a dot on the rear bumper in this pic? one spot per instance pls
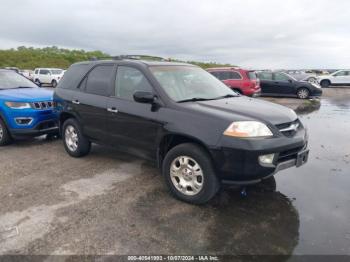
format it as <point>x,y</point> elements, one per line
<point>237,162</point>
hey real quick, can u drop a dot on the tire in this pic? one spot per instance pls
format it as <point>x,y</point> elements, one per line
<point>303,93</point>
<point>54,83</point>
<point>37,82</point>
<point>312,80</point>
<point>325,83</point>
<point>75,143</point>
<point>5,136</point>
<point>200,188</point>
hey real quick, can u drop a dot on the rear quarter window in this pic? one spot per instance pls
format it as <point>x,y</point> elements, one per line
<point>72,78</point>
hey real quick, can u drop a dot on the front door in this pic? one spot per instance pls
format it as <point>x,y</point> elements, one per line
<point>283,85</point>
<point>132,126</point>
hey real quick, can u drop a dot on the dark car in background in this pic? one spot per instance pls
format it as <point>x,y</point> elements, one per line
<point>282,84</point>
<point>195,128</point>
<point>240,80</point>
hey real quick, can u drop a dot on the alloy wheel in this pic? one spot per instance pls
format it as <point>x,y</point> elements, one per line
<point>186,175</point>
<point>303,93</point>
<point>71,138</point>
<point>1,132</point>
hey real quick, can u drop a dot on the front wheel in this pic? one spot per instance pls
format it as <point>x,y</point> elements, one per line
<point>303,93</point>
<point>75,143</point>
<point>5,136</point>
<point>325,83</point>
<point>189,174</point>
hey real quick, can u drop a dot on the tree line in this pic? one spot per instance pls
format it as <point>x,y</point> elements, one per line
<point>30,57</point>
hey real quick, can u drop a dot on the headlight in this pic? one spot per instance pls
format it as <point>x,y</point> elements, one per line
<point>18,105</point>
<point>248,129</point>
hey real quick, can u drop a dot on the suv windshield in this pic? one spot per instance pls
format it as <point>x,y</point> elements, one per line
<point>11,80</point>
<point>183,83</point>
<point>56,71</point>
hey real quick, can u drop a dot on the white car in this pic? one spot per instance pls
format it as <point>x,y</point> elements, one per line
<point>341,77</point>
<point>49,76</point>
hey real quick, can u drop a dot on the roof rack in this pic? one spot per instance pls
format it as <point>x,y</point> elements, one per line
<point>130,57</point>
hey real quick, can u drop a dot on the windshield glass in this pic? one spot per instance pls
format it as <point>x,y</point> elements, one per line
<point>10,80</point>
<point>56,71</point>
<point>189,82</point>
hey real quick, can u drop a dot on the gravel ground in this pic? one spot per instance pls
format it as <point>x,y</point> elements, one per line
<point>112,203</point>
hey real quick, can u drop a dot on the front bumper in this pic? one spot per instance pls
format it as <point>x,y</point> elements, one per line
<point>237,160</point>
<point>42,122</point>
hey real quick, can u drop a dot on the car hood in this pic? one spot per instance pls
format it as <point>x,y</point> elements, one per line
<point>245,108</point>
<point>26,94</point>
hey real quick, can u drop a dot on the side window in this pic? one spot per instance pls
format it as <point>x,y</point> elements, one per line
<point>99,80</point>
<point>265,76</point>
<point>36,72</point>
<point>216,74</point>
<point>128,81</point>
<point>341,73</point>
<point>44,72</point>
<point>281,77</point>
<point>234,75</point>
<point>224,75</point>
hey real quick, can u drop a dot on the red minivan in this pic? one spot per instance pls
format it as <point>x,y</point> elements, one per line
<point>243,81</point>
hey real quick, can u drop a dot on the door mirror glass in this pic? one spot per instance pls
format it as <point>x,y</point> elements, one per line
<point>144,97</point>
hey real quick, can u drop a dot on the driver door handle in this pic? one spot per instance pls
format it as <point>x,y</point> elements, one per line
<point>112,110</point>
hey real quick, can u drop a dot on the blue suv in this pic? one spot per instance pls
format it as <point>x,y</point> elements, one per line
<point>25,109</point>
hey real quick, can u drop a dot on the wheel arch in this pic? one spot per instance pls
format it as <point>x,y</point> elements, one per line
<point>169,141</point>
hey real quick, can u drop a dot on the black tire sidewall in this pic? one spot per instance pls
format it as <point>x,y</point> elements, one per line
<point>323,83</point>
<point>6,137</point>
<point>211,184</point>
<point>54,83</point>
<point>84,144</point>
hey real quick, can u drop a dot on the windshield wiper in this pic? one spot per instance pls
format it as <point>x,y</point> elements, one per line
<point>194,99</point>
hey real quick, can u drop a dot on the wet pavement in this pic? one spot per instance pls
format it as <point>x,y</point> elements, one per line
<point>111,203</point>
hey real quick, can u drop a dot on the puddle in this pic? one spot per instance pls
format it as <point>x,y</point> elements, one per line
<point>321,187</point>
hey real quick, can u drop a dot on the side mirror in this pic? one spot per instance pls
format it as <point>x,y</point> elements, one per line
<point>290,80</point>
<point>144,97</point>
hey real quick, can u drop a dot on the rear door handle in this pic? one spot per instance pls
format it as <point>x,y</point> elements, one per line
<point>112,110</point>
<point>76,102</point>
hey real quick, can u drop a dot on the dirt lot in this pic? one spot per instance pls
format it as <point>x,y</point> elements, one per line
<point>111,203</point>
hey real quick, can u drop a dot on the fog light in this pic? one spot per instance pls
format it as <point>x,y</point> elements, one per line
<point>266,159</point>
<point>24,120</point>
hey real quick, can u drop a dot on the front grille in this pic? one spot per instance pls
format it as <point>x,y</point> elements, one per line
<point>42,105</point>
<point>289,129</point>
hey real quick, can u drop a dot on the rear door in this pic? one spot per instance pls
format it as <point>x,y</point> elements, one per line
<point>91,104</point>
<point>266,82</point>
<point>44,76</point>
<point>132,126</point>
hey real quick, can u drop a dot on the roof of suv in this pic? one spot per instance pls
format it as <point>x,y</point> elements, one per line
<point>144,62</point>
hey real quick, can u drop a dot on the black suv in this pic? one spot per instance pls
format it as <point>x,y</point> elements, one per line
<point>197,130</point>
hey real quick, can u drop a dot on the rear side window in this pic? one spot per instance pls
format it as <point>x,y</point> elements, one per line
<point>281,77</point>
<point>252,75</point>
<point>234,75</point>
<point>128,81</point>
<point>44,72</point>
<point>99,80</point>
<point>73,76</point>
<point>223,75</point>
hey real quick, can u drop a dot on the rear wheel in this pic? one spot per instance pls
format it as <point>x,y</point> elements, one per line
<point>325,83</point>
<point>75,143</point>
<point>189,174</point>
<point>303,93</point>
<point>54,83</point>
<point>5,137</point>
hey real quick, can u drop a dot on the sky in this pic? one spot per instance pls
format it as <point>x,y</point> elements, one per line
<point>249,33</point>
